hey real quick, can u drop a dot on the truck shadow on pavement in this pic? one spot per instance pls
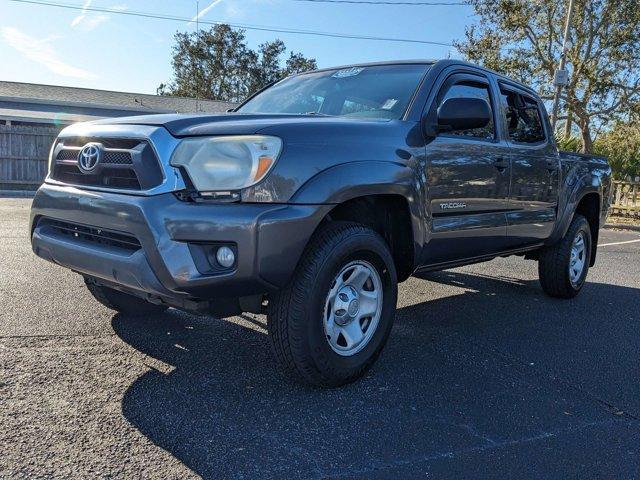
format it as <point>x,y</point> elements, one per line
<point>498,366</point>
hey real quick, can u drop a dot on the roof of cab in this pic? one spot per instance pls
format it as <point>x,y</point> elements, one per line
<point>443,63</point>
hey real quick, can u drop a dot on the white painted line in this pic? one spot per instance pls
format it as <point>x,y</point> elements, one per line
<point>618,243</point>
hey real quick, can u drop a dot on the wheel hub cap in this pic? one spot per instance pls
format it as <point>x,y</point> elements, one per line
<point>353,308</point>
<point>346,305</point>
<point>578,259</point>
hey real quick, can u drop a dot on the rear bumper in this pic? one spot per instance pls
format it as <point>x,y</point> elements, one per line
<point>269,238</point>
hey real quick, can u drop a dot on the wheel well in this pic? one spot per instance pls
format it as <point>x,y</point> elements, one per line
<point>388,215</point>
<point>589,207</point>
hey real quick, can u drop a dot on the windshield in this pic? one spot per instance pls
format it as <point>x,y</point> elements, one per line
<point>381,91</point>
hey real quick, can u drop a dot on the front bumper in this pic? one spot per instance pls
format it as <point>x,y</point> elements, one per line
<point>270,239</point>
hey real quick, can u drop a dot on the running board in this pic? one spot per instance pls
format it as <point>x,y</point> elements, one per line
<point>470,261</point>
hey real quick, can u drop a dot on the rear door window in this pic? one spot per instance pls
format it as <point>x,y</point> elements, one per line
<point>522,116</point>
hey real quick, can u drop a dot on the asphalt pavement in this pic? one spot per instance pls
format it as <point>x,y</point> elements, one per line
<point>483,377</point>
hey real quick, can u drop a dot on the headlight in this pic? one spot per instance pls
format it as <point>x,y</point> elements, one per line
<point>226,163</point>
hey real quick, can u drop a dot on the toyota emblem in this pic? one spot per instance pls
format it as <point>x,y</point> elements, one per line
<point>89,157</point>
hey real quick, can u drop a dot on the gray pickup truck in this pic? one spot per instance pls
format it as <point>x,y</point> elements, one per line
<point>315,197</point>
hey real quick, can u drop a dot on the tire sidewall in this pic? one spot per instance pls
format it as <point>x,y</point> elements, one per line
<point>366,246</point>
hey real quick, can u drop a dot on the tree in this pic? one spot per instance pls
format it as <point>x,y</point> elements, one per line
<point>217,64</point>
<point>298,63</point>
<point>523,39</point>
<point>621,145</point>
<point>267,68</point>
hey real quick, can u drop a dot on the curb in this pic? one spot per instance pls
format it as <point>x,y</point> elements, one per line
<point>623,226</point>
<point>17,193</point>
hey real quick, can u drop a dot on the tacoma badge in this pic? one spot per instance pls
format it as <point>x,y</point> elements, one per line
<point>451,205</point>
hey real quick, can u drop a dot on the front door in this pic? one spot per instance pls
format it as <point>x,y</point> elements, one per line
<point>468,182</point>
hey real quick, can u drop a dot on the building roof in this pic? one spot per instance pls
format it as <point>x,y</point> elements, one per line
<point>44,116</point>
<point>53,103</point>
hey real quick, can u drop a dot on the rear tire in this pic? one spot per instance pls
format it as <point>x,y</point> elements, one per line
<point>329,325</point>
<point>563,267</point>
<point>123,302</point>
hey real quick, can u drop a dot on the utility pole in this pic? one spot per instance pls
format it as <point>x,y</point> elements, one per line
<point>198,46</point>
<point>561,78</point>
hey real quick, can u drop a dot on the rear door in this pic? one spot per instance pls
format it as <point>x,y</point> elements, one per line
<point>534,167</point>
<point>467,173</point>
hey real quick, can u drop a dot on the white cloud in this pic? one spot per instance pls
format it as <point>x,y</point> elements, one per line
<point>76,21</point>
<point>88,21</point>
<point>92,21</point>
<point>204,11</point>
<point>234,11</point>
<point>41,51</point>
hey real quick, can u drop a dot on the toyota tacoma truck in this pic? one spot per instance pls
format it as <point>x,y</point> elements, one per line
<point>311,200</point>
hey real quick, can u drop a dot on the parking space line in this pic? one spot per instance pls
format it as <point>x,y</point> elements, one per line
<point>618,243</point>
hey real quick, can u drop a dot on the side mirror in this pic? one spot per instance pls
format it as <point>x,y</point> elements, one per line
<point>463,114</point>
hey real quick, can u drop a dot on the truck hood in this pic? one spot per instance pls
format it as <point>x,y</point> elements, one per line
<point>185,125</point>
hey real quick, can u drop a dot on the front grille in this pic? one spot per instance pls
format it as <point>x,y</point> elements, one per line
<point>117,158</point>
<point>68,154</point>
<point>119,143</point>
<point>117,178</point>
<point>127,164</point>
<point>111,157</point>
<point>90,235</point>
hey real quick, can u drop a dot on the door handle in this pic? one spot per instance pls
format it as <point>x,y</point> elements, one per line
<point>501,163</point>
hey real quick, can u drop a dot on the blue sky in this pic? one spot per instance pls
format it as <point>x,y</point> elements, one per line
<point>44,44</point>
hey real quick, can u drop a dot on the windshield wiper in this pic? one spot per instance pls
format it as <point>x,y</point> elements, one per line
<point>316,113</point>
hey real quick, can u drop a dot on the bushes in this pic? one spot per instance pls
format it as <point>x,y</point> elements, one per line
<point>621,145</point>
<point>568,144</point>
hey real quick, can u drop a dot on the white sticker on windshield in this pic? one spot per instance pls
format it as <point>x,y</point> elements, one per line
<point>347,72</point>
<point>389,104</point>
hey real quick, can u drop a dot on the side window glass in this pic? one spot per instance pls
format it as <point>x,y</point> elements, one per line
<point>522,117</point>
<point>468,89</point>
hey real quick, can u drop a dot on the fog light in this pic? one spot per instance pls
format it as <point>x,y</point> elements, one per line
<point>225,257</point>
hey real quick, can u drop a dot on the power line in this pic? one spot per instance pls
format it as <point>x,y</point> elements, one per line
<point>373,2</point>
<point>261,28</point>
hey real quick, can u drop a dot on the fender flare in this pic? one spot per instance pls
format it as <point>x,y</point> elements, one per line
<point>574,192</point>
<point>347,181</point>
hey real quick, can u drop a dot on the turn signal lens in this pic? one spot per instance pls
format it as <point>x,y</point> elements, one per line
<point>264,164</point>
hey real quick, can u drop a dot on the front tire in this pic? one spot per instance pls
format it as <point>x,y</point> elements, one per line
<point>563,267</point>
<point>329,325</point>
<point>122,302</point>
